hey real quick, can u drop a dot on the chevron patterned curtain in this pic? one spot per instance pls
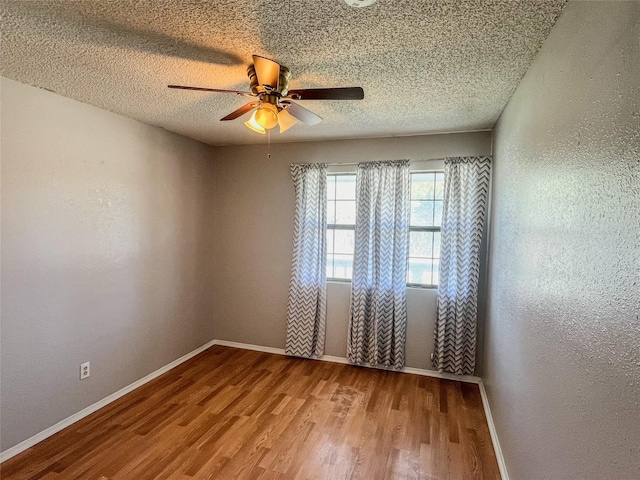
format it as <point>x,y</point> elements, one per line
<point>466,181</point>
<point>378,321</point>
<point>306,312</point>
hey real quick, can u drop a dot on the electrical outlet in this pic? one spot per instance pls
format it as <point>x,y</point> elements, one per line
<point>85,371</point>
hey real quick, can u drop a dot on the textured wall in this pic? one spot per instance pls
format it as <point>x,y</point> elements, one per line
<point>101,247</point>
<point>562,341</point>
<point>253,232</point>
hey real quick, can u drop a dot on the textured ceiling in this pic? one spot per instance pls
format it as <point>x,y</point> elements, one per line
<point>425,66</point>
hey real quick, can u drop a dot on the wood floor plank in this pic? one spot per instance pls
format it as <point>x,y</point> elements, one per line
<point>238,414</point>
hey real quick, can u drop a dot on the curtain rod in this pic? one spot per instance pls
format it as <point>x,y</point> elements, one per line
<point>337,164</point>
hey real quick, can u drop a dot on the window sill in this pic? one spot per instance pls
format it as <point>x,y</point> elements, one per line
<point>422,287</point>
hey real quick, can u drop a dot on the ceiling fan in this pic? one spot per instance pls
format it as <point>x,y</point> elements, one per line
<point>269,82</point>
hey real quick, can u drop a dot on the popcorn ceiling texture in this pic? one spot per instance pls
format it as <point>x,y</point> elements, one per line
<point>425,66</point>
<point>562,335</point>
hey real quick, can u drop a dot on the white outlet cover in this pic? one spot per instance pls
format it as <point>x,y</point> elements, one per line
<point>85,370</point>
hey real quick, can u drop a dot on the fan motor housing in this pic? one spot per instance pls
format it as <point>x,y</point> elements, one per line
<point>283,82</point>
<point>272,99</point>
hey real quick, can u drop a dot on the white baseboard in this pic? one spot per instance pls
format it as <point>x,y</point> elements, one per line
<point>248,346</point>
<point>333,359</point>
<point>38,437</point>
<point>28,443</point>
<point>494,435</point>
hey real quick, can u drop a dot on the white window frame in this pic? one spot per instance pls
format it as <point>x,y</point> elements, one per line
<point>337,226</point>
<point>432,229</point>
<point>425,166</point>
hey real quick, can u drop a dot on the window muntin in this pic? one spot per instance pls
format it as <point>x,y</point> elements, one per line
<point>427,191</point>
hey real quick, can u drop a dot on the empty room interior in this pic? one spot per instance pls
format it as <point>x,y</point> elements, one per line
<point>320,239</point>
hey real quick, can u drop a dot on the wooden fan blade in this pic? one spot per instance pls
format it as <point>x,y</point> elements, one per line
<point>301,113</point>
<point>241,111</point>
<point>217,90</point>
<point>341,93</point>
<point>267,71</point>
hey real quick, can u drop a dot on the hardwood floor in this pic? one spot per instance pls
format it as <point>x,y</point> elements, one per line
<point>237,414</point>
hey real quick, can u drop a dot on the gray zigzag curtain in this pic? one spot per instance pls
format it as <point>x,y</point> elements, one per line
<point>378,320</point>
<point>306,311</point>
<point>466,182</point>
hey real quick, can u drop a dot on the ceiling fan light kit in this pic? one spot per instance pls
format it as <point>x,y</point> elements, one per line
<point>286,121</point>
<point>254,125</point>
<point>359,3</point>
<point>267,115</point>
<point>269,81</point>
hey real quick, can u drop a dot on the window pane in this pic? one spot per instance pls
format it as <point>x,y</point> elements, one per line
<point>331,211</point>
<point>421,213</point>
<point>329,265</point>
<point>342,266</point>
<point>422,186</point>
<point>427,191</point>
<point>345,187</point>
<point>330,241</point>
<point>436,272</point>
<point>344,241</point>
<point>346,212</point>
<point>437,213</point>
<point>420,271</point>
<point>436,245</point>
<point>439,186</point>
<point>331,187</point>
<point>420,244</point>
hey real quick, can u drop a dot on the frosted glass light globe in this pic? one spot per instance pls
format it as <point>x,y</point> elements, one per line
<point>267,116</point>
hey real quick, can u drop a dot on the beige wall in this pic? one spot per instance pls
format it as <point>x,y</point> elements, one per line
<point>101,252</point>
<point>562,340</point>
<point>253,228</point>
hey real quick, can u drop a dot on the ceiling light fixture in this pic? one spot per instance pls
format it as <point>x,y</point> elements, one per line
<point>269,82</point>
<point>253,124</point>
<point>359,3</point>
<point>286,121</point>
<point>262,119</point>
<point>266,115</point>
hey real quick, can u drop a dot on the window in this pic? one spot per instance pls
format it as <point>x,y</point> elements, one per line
<point>341,225</point>
<point>427,191</point>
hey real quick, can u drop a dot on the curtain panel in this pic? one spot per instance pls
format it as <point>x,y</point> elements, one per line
<point>378,317</point>
<point>466,182</point>
<point>306,311</point>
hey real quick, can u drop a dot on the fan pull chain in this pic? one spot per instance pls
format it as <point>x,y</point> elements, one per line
<point>269,144</point>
